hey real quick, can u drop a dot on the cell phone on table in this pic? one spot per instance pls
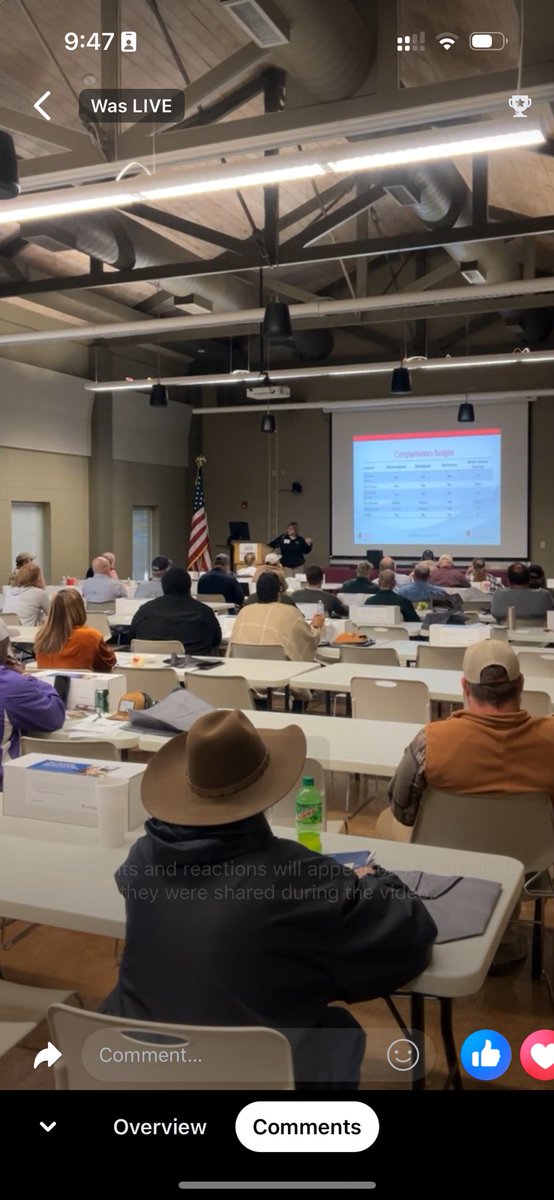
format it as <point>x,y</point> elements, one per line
<point>208,666</point>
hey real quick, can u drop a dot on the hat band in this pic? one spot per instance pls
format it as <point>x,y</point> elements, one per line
<point>232,788</point>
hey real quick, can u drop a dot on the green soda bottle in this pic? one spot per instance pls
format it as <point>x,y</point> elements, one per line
<point>309,814</point>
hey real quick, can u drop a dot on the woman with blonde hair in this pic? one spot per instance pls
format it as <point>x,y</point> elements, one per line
<point>111,559</point>
<point>67,641</point>
<point>27,596</point>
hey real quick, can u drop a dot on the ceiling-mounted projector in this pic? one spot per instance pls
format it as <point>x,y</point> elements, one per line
<point>264,391</point>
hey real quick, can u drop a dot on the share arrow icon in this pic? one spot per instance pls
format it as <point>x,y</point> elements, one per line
<point>49,1055</point>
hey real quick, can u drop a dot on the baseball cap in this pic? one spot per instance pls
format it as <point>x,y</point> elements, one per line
<point>490,653</point>
<point>131,702</point>
<point>161,563</point>
<point>273,559</point>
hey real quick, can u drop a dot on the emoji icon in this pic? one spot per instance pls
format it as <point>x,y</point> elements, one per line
<point>403,1055</point>
<point>537,1055</point>
<point>486,1054</point>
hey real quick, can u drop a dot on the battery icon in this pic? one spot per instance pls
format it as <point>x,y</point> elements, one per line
<point>487,41</point>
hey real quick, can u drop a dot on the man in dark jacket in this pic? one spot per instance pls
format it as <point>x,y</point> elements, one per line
<point>292,547</point>
<point>239,927</point>
<point>362,580</point>
<point>220,581</point>
<point>175,616</point>
<point>313,593</point>
<point>386,594</point>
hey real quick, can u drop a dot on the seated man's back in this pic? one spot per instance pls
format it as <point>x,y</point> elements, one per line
<point>175,616</point>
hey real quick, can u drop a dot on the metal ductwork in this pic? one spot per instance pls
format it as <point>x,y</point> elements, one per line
<point>330,50</point>
<point>102,237</point>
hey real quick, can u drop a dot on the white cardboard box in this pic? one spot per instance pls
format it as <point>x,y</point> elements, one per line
<point>458,635</point>
<point>376,614</point>
<point>83,687</point>
<point>66,793</point>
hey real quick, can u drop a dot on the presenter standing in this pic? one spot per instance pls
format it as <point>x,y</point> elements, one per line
<point>292,547</point>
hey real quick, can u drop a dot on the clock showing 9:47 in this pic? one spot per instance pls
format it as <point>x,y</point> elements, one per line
<point>101,41</point>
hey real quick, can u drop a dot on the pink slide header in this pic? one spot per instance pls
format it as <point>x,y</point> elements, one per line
<point>444,433</point>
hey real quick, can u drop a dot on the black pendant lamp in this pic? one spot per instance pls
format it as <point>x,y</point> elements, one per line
<point>277,325</point>
<point>401,382</point>
<point>9,174</point>
<point>268,424</point>
<point>466,413</point>
<point>158,396</point>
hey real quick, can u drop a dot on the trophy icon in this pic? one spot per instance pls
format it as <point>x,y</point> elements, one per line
<point>520,104</point>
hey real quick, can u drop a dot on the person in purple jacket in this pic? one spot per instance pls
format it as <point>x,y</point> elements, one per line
<point>26,704</point>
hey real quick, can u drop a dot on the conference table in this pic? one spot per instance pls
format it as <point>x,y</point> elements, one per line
<point>444,686</point>
<point>68,883</point>
<point>357,747</point>
<point>260,673</point>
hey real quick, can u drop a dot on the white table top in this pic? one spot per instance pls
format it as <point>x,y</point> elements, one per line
<point>25,634</point>
<point>258,672</point>
<point>363,747</point>
<point>443,685</point>
<point>124,739</point>
<point>217,606</point>
<point>71,886</point>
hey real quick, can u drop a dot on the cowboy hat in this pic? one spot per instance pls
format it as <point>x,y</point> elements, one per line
<point>222,770</point>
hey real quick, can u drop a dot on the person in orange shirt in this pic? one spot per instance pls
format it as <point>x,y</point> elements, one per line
<point>67,641</point>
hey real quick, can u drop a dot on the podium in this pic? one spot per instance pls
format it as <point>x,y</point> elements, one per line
<point>239,549</point>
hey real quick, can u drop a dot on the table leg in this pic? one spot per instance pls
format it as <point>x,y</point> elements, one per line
<point>269,700</point>
<point>417,1022</point>
<point>454,1077</point>
<point>287,698</point>
<point>327,704</point>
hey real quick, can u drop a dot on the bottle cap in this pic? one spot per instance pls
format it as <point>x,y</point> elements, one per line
<point>308,781</point>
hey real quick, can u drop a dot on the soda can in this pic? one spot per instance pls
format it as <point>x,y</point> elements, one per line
<point>101,700</point>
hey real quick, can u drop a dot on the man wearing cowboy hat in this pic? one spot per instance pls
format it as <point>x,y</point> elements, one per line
<point>229,925</point>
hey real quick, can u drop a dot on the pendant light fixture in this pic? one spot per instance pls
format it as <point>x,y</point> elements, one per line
<point>9,174</point>
<point>466,413</point>
<point>277,325</point>
<point>401,380</point>
<point>158,391</point>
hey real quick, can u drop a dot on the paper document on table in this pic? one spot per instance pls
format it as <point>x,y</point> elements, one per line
<point>94,727</point>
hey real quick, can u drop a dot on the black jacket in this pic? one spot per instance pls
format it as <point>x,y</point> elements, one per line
<point>332,605</point>
<point>218,582</point>
<point>360,583</point>
<point>238,927</point>
<point>292,550</point>
<point>385,596</point>
<point>177,618</point>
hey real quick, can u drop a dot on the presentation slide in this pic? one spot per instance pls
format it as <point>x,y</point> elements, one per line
<point>408,478</point>
<point>427,488</point>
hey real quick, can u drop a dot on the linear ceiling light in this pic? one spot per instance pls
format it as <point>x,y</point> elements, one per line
<point>330,372</point>
<point>428,146</point>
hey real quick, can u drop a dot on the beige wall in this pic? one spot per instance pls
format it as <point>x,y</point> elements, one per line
<point>162,488</point>
<point>244,464</point>
<point>541,486</point>
<point>60,480</point>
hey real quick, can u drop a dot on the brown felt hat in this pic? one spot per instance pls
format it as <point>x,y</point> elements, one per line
<point>222,770</point>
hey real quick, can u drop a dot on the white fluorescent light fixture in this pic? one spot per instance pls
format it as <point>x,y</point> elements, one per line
<point>428,146</point>
<point>328,372</point>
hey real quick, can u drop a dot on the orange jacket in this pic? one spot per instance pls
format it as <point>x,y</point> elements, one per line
<point>85,649</point>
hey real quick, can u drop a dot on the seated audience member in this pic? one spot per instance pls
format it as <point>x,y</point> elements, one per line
<point>386,594</point>
<point>361,581</point>
<point>276,962</point>
<point>388,564</point>
<point>111,559</point>
<point>27,705</point>
<point>101,588</point>
<point>537,577</point>
<point>65,640</point>
<point>421,590</point>
<point>248,568</point>
<point>283,597</point>
<point>272,563</point>
<point>313,593</point>
<point>477,574</point>
<point>176,616</point>
<point>269,623</point>
<point>21,560</point>
<point>150,589</point>
<point>528,602</point>
<point>27,597</point>
<point>220,581</point>
<point>492,745</point>
<point>445,574</point>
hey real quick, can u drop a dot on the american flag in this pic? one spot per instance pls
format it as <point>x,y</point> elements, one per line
<point>199,544</point>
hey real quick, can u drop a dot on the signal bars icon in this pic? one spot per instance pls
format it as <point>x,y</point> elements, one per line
<point>410,41</point>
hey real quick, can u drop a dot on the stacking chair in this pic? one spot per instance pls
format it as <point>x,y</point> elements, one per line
<point>447,658</point>
<point>231,691</point>
<point>237,1058</point>
<point>12,619</point>
<point>22,1008</point>
<point>537,704</point>
<point>99,621</point>
<point>268,652</point>
<point>536,664</point>
<point>372,655</point>
<point>216,599</point>
<point>106,606</point>
<point>391,700</point>
<point>140,646</point>
<point>157,682</point>
<point>520,826</point>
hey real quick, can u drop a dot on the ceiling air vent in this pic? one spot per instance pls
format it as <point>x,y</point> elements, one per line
<point>261,20</point>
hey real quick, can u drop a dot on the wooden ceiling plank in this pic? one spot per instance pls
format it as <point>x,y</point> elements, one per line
<point>55,135</point>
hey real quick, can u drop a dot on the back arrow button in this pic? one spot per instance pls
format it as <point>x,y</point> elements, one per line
<point>41,110</point>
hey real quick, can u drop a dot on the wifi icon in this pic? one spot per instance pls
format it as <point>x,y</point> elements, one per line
<point>447,40</point>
